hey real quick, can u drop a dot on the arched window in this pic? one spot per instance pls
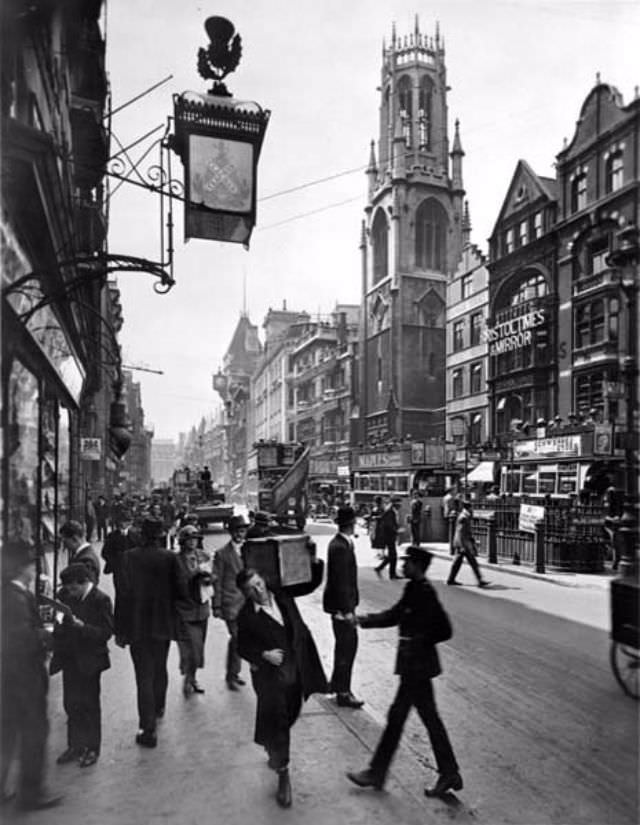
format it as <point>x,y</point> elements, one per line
<point>431,236</point>
<point>535,286</point>
<point>405,108</point>
<point>424,113</point>
<point>380,240</point>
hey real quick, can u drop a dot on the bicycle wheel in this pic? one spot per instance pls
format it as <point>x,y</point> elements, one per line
<point>625,663</point>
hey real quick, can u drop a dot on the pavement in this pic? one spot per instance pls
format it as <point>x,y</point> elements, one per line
<point>206,766</point>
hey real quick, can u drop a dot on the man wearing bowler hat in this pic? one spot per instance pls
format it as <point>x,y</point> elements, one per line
<point>423,623</point>
<point>227,597</point>
<point>340,600</point>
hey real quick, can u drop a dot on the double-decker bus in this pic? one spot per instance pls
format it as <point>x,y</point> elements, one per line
<point>277,480</point>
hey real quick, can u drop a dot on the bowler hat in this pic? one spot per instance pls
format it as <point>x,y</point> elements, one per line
<point>415,553</point>
<point>346,515</point>
<point>152,528</point>
<point>262,519</point>
<point>17,554</point>
<point>236,522</point>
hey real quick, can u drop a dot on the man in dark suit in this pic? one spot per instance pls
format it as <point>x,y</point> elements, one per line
<point>152,584</point>
<point>79,549</point>
<point>285,666</point>
<point>118,541</point>
<point>80,651</point>
<point>464,545</point>
<point>340,599</point>
<point>390,526</point>
<point>422,624</point>
<point>24,680</point>
<point>227,598</point>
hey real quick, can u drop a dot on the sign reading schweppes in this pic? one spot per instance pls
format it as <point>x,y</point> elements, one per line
<point>514,333</point>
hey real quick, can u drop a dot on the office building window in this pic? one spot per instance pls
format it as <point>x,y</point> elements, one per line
<point>523,233</point>
<point>476,328</point>
<point>589,391</point>
<point>457,383</point>
<point>475,428</point>
<point>598,252</point>
<point>590,324</point>
<point>476,377</point>
<point>508,241</point>
<point>466,286</point>
<point>579,193</point>
<point>458,336</point>
<point>537,225</point>
<point>614,172</point>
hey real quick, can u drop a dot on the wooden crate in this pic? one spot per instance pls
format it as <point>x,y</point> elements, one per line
<point>281,560</point>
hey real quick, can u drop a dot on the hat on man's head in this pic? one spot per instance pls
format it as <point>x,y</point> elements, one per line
<point>16,555</point>
<point>152,528</point>
<point>236,522</point>
<point>419,554</point>
<point>188,532</point>
<point>75,573</point>
<point>262,519</point>
<point>346,516</point>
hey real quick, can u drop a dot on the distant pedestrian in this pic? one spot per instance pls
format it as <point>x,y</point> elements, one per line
<point>89,518</point>
<point>390,526</point>
<point>340,599</point>
<point>101,509</point>
<point>80,651</point>
<point>285,665</point>
<point>170,516</point>
<point>415,518</point>
<point>464,545</point>
<point>375,527</point>
<point>227,597</point>
<point>152,584</point>
<point>23,680</point>
<point>422,623</point>
<point>193,610</point>
<point>79,549</point>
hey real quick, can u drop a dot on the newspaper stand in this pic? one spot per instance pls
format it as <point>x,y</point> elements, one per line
<point>282,560</point>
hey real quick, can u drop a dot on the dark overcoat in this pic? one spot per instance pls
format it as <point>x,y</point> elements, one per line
<point>341,588</point>
<point>87,555</point>
<point>258,632</point>
<point>422,623</point>
<point>85,647</point>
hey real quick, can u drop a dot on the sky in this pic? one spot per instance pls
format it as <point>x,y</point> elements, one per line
<point>519,71</point>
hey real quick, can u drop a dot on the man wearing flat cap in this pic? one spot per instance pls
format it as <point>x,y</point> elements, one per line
<point>340,600</point>
<point>422,624</point>
<point>227,597</point>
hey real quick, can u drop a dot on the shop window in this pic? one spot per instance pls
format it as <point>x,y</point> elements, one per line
<point>458,336</point>
<point>22,453</point>
<point>457,383</point>
<point>476,377</point>
<point>579,192</point>
<point>614,172</point>
<point>568,479</point>
<point>546,482</point>
<point>476,328</point>
<point>466,286</point>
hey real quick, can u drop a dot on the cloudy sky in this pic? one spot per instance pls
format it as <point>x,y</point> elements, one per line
<point>519,71</point>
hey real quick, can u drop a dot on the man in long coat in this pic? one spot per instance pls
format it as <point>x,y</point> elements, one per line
<point>285,665</point>
<point>464,546</point>
<point>340,600</point>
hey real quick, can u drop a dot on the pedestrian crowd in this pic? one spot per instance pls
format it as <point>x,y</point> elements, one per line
<point>164,594</point>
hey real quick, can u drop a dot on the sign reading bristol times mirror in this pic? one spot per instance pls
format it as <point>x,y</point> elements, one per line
<point>220,196</point>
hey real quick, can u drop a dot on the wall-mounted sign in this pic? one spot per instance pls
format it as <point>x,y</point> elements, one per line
<point>372,460</point>
<point>530,515</point>
<point>343,471</point>
<point>562,446</point>
<point>602,439</point>
<point>90,449</point>
<point>514,333</point>
<point>417,452</point>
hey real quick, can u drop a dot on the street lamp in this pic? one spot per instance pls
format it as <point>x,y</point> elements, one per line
<point>625,259</point>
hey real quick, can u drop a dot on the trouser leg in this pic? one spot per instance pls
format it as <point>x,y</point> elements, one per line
<point>33,742</point>
<point>415,534</point>
<point>396,717</point>
<point>393,558</point>
<point>344,654</point>
<point>11,714</point>
<point>425,704</point>
<point>234,663</point>
<point>160,675</point>
<point>143,664</point>
<point>470,556</point>
<point>455,567</point>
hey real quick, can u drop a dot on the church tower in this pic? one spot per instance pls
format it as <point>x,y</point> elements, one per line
<point>411,244</point>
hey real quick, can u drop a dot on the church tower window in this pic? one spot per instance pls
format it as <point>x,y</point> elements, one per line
<point>405,108</point>
<point>431,236</point>
<point>424,114</point>
<point>380,238</point>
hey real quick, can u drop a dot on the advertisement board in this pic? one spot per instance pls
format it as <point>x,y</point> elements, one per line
<point>530,515</point>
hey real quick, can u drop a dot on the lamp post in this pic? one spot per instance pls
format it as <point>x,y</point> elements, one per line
<point>625,259</point>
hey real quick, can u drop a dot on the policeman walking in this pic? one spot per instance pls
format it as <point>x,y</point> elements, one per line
<point>423,623</point>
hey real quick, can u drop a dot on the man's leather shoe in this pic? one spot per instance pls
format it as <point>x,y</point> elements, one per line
<point>484,583</point>
<point>239,681</point>
<point>446,782</point>
<point>88,758</point>
<point>348,700</point>
<point>196,687</point>
<point>70,755</point>
<point>365,779</point>
<point>283,794</point>
<point>232,685</point>
<point>41,802</point>
<point>146,738</point>
<point>458,583</point>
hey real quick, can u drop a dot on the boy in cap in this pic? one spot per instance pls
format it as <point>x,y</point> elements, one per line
<point>340,600</point>
<point>227,597</point>
<point>81,653</point>
<point>422,623</point>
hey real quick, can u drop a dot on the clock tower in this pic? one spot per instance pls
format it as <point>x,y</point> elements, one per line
<point>411,243</point>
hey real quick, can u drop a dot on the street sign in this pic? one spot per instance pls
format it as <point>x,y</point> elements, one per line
<point>530,515</point>
<point>90,449</point>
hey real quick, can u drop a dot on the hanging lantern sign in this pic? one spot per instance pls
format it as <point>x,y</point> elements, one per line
<point>218,139</point>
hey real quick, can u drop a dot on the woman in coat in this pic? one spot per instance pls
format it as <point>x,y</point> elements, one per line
<point>192,609</point>
<point>285,665</point>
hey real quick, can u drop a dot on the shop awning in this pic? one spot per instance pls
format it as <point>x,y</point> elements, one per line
<point>482,473</point>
